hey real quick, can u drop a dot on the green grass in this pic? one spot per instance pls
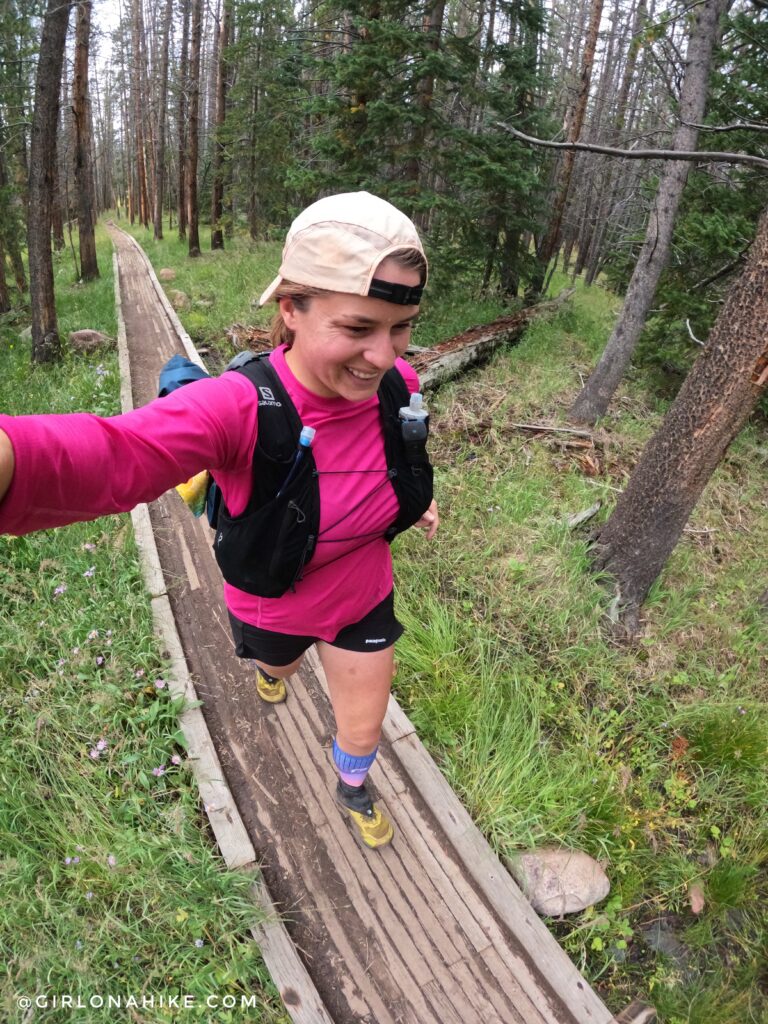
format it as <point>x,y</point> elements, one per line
<point>652,758</point>
<point>111,882</point>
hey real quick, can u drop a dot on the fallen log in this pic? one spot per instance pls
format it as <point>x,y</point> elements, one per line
<point>440,363</point>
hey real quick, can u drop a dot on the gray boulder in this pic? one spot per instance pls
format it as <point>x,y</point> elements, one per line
<point>558,881</point>
<point>90,341</point>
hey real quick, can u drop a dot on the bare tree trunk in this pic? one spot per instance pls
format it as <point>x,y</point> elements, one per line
<point>5,298</point>
<point>217,193</point>
<point>160,170</point>
<point>8,236</point>
<point>551,241</point>
<point>713,404</point>
<point>89,268</point>
<point>182,123</point>
<point>46,344</point>
<point>142,199</point>
<point>594,398</point>
<point>194,118</point>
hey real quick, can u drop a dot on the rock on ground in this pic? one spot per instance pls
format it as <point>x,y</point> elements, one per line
<point>558,881</point>
<point>166,274</point>
<point>90,341</point>
<point>179,300</point>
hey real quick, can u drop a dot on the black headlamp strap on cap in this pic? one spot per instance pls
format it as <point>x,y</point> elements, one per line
<point>401,294</point>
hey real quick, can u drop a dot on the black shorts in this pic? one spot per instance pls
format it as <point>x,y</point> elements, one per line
<point>376,631</point>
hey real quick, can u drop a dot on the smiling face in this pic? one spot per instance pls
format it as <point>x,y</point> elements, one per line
<point>344,344</point>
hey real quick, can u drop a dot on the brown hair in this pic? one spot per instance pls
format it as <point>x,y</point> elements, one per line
<point>280,334</point>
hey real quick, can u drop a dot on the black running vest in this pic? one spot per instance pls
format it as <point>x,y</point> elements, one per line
<point>265,549</point>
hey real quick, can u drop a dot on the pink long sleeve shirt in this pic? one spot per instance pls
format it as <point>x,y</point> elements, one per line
<point>79,466</point>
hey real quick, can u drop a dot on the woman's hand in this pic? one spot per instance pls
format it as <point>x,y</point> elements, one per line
<point>429,521</point>
<point>7,463</point>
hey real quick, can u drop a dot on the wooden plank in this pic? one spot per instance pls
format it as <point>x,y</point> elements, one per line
<point>546,956</point>
<point>280,955</point>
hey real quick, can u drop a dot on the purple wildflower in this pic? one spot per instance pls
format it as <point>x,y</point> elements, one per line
<point>175,759</point>
<point>94,753</point>
<point>160,770</point>
<point>199,943</point>
<point>139,673</point>
<point>75,650</point>
<point>60,590</point>
<point>90,572</point>
<point>160,684</point>
<point>89,547</point>
<point>67,860</point>
<point>100,660</point>
<point>101,745</point>
<point>89,895</point>
<point>112,860</point>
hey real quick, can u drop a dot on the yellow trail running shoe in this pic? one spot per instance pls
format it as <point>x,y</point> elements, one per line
<point>373,828</point>
<point>271,690</point>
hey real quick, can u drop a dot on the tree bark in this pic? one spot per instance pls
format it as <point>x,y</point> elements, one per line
<point>713,404</point>
<point>160,171</point>
<point>46,344</point>
<point>193,137</point>
<point>593,400</point>
<point>89,268</point>
<point>551,241</point>
<point>9,234</point>
<point>432,28</point>
<point>217,191</point>
<point>5,298</point>
<point>181,119</point>
<point>137,30</point>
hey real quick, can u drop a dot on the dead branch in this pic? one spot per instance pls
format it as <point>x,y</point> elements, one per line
<point>737,126</point>
<point>642,154</point>
<point>546,428</point>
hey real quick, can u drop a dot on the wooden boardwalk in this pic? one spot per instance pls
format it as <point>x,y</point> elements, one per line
<point>430,930</point>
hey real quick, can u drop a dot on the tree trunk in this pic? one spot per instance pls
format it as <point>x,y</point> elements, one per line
<point>8,233</point>
<point>5,298</point>
<point>160,171</point>
<point>142,200</point>
<point>46,344</point>
<point>89,268</point>
<point>194,117</point>
<point>425,91</point>
<point>551,241</point>
<point>594,398</point>
<point>713,404</point>
<point>182,123</point>
<point>217,192</point>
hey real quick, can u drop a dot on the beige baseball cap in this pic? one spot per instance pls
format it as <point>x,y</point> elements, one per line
<point>338,242</point>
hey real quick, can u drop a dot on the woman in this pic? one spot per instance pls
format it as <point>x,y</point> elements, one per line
<point>347,293</point>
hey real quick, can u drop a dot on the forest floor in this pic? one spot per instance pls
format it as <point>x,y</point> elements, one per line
<point>652,758</point>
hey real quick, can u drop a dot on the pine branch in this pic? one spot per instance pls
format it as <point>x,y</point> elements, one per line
<point>642,154</point>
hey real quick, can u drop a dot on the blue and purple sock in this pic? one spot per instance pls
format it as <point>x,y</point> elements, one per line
<point>351,768</point>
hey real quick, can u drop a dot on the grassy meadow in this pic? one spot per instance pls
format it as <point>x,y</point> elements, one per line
<point>652,758</point>
<point>111,882</point>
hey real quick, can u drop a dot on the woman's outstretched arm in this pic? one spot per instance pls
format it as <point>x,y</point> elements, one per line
<point>6,463</point>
